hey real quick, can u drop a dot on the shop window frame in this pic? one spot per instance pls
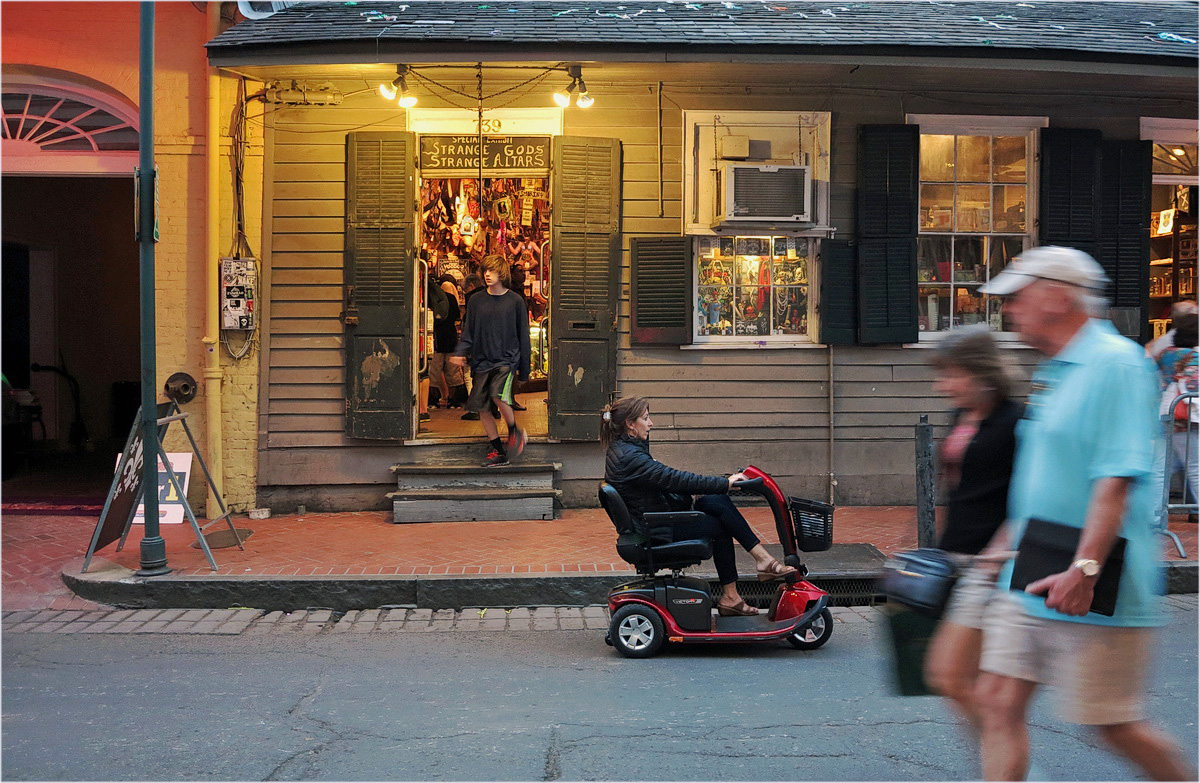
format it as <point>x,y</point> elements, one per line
<point>811,287</point>
<point>982,125</point>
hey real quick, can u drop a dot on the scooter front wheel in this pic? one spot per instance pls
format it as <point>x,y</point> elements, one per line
<point>636,631</point>
<point>815,633</point>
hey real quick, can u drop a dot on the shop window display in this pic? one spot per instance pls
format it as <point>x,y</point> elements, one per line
<point>752,286</point>
<point>512,219</point>
<point>972,222</point>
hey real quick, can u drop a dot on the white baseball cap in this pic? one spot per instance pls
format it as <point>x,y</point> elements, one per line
<point>1064,264</point>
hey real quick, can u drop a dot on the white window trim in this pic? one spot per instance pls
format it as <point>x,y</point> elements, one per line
<point>818,123</point>
<point>1169,130</point>
<point>990,125</point>
<point>1166,130</point>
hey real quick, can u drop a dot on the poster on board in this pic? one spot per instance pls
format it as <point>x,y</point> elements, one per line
<point>170,504</point>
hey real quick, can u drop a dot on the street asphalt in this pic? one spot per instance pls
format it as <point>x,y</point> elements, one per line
<point>527,694</point>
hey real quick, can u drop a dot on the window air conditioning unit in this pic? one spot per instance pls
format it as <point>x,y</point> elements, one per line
<point>751,192</point>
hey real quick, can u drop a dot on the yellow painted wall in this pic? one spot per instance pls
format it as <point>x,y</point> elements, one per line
<point>90,43</point>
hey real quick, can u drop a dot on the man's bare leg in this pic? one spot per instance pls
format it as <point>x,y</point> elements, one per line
<point>1149,748</point>
<point>1003,704</point>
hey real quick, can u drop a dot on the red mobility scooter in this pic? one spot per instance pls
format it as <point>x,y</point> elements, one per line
<point>657,608</point>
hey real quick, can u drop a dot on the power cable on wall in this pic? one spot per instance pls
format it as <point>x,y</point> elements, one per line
<point>240,248</point>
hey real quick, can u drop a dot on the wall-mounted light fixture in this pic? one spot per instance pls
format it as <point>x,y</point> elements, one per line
<point>576,88</point>
<point>398,87</point>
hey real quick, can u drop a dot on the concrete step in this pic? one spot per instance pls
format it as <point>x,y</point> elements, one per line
<point>519,475</point>
<point>471,504</point>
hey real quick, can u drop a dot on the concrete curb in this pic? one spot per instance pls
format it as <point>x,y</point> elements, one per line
<point>108,583</point>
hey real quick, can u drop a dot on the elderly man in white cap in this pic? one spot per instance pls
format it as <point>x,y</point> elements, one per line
<point>1084,462</point>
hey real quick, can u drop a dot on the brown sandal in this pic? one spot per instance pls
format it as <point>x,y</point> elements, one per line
<point>740,609</point>
<point>774,570</point>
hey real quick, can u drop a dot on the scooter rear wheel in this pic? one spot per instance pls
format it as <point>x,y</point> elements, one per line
<point>636,631</point>
<point>822,629</point>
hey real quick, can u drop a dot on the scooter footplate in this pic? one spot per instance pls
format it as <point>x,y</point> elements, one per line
<point>755,624</point>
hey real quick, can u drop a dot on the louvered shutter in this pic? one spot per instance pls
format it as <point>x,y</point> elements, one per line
<point>585,274</point>
<point>660,291</point>
<point>887,230</point>
<point>378,296</point>
<point>1069,188</point>
<point>1124,240</point>
<point>838,292</point>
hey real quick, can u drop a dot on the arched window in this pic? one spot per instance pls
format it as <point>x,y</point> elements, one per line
<point>60,123</point>
<point>57,123</point>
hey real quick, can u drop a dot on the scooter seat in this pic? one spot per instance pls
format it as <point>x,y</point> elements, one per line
<point>633,545</point>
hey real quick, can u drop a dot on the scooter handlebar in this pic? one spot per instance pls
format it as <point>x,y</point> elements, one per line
<point>748,484</point>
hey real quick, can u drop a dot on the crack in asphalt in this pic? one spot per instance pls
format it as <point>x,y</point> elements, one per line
<point>553,766</point>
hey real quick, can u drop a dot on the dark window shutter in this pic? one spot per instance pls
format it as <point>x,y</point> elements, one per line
<point>660,291</point>
<point>888,169</point>
<point>1069,189</point>
<point>887,290</point>
<point>1124,243</point>
<point>380,194</point>
<point>585,280</point>
<point>838,292</point>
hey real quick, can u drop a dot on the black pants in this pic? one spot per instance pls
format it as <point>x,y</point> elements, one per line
<point>723,523</point>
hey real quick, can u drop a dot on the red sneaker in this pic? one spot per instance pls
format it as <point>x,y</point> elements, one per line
<point>516,441</point>
<point>495,458</point>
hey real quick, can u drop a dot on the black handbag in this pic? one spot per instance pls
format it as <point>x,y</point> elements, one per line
<point>920,579</point>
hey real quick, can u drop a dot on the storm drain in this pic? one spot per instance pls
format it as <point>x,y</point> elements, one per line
<point>843,591</point>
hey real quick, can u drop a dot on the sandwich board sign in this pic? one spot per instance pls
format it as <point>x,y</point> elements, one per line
<point>170,504</point>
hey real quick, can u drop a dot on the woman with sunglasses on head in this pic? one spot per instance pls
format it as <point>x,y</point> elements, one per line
<point>647,486</point>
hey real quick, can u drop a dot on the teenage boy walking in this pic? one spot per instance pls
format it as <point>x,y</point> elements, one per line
<point>496,337</point>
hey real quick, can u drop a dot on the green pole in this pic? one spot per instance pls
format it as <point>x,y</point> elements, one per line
<point>154,549</point>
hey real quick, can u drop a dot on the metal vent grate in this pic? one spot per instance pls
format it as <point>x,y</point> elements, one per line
<point>778,193</point>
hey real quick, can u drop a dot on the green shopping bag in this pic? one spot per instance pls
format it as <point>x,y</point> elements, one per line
<point>907,638</point>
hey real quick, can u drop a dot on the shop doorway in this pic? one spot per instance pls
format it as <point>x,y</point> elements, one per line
<point>460,224</point>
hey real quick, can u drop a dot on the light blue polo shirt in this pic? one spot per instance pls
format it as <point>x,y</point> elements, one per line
<point>1092,415</point>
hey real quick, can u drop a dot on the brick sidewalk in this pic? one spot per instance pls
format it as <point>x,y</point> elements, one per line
<point>37,545</point>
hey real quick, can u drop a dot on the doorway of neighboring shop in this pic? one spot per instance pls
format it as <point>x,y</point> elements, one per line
<point>71,323</point>
<point>460,225</point>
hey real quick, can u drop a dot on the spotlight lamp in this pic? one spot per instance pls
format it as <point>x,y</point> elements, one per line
<point>576,88</point>
<point>398,87</point>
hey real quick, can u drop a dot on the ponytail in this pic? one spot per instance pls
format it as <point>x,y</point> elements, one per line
<point>614,417</point>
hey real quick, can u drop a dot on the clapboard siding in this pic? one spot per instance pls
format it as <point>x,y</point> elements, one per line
<point>714,410</point>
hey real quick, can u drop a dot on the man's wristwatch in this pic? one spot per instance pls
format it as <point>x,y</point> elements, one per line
<point>1087,566</point>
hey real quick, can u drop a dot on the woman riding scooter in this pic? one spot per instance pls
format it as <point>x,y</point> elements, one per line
<point>647,485</point>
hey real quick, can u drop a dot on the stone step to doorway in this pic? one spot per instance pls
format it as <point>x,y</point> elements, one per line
<point>518,475</point>
<point>471,504</point>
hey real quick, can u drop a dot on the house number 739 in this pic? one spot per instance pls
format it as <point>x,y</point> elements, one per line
<point>489,126</point>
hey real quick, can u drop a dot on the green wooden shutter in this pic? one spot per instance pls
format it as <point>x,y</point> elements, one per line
<point>1069,188</point>
<point>584,280</point>
<point>887,291</point>
<point>378,301</point>
<point>660,291</point>
<point>888,170</point>
<point>1123,248</point>
<point>837,305</point>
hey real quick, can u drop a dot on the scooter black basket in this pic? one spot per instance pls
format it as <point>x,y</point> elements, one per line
<point>814,524</point>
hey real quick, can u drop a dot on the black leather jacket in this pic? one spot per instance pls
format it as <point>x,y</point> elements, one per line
<point>646,485</point>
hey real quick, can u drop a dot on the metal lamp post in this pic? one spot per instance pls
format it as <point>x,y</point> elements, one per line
<point>153,549</point>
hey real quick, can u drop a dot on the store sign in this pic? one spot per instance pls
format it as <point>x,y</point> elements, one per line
<point>501,154</point>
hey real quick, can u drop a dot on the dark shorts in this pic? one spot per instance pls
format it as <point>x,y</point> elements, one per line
<point>496,382</point>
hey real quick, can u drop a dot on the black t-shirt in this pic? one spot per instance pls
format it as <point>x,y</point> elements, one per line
<point>496,333</point>
<point>979,504</point>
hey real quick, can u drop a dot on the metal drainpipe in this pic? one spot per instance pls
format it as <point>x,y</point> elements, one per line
<point>832,474</point>
<point>213,375</point>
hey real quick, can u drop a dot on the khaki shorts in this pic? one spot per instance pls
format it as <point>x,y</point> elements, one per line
<point>1098,671</point>
<point>975,589</point>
